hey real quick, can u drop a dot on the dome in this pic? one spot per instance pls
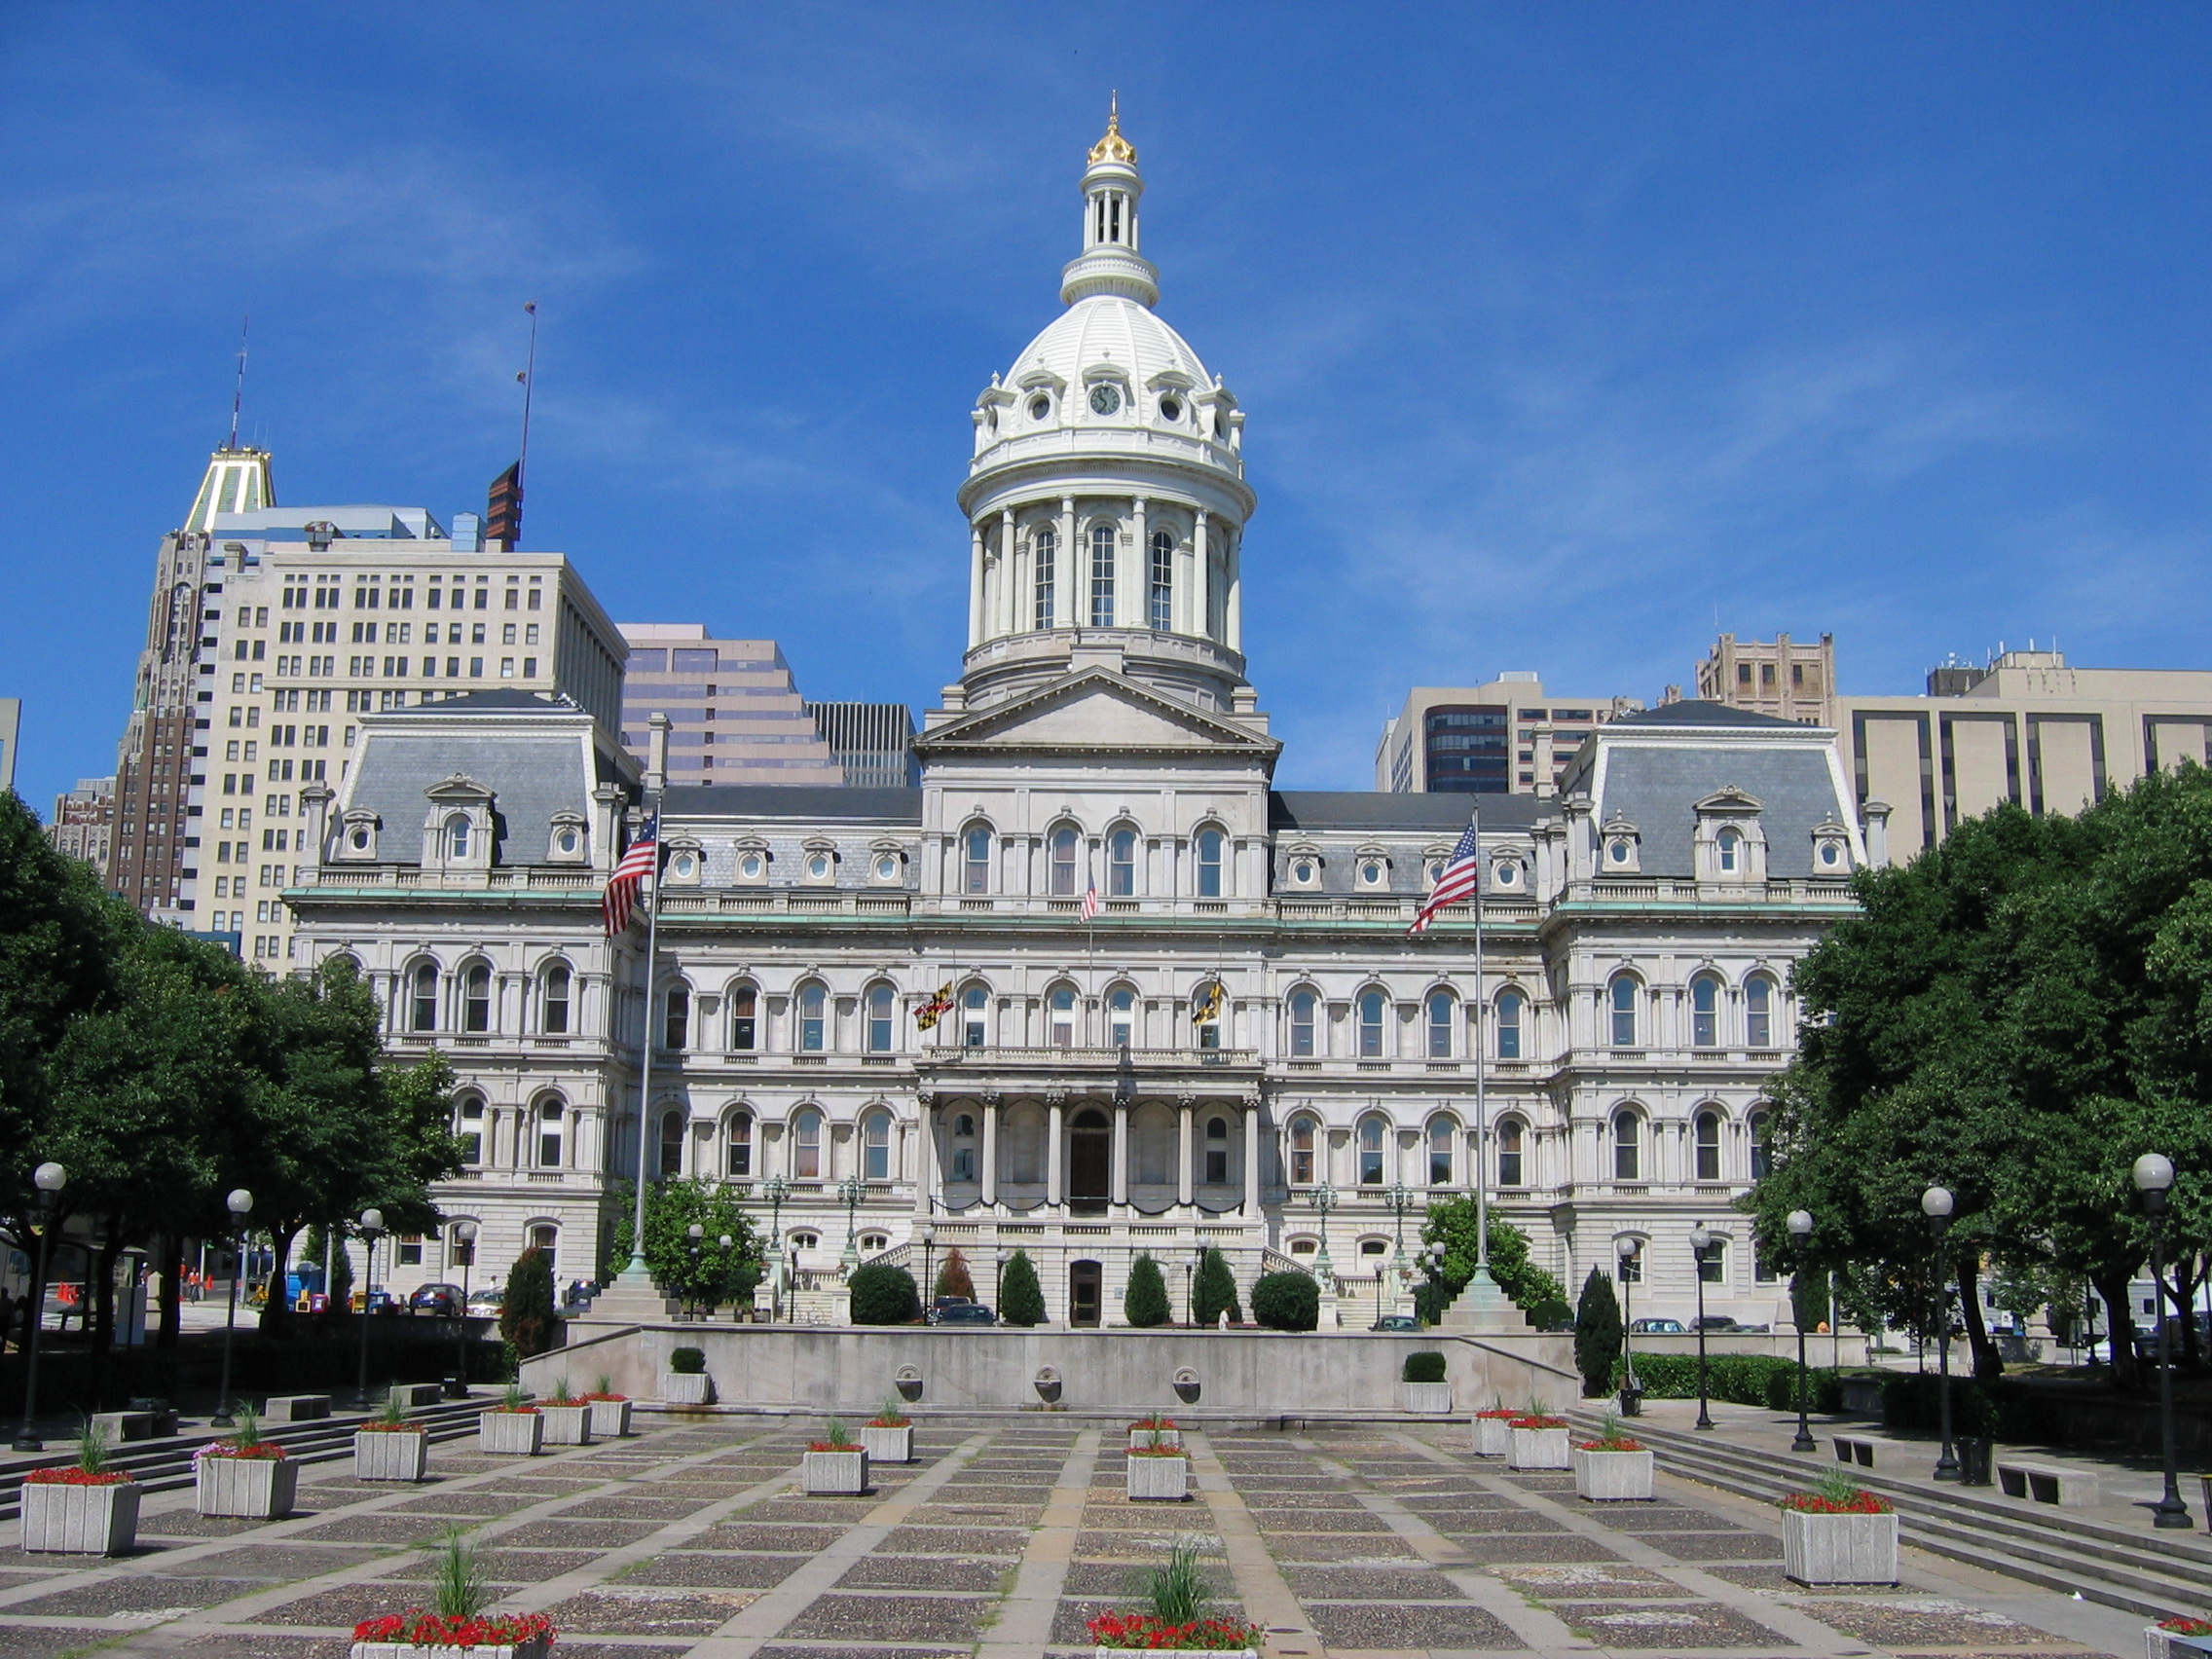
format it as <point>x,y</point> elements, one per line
<point>1104,330</point>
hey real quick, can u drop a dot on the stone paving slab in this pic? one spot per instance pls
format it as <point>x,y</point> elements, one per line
<point>908,1617</point>
<point>925,1572</point>
<point>135,1594</point>
<point>1677,1625</point>
<point>1928,1621</point>
<point>506,1566</point>
<point>717,1570</point>
<point>953,1540</point>
<point>646,1612</point>
<point>1373,1584</point>
<point>1403,1625</point>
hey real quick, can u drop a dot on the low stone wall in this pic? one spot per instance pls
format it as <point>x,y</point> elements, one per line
<point>848,1369</point>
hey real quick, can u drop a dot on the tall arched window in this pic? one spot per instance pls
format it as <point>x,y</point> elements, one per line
<point>1440,1009</point>
<point>1120,1016</point>
<point>964,1145</point>
<point>1217,1152</point>
<point>675,1025</point>
<point>476,999</point>
<point>1065,845</point>
<point>1441,1135</point>
<point>744,1019</point>
<point>1510,1005</point>
<point>875,1147</point>
<point>1304,1133</point>
<point>806,1145</point>
<point>1627,1162</point>
<point>813,1001</point>
<point>879,1020</point>
<point>1371,1152</point>
<point>1163,588</point>
<point>1760,1123</point>
<point>1510,1138</point>
<point>1729,846</point>
<point>549,1123</point>
<point>974,1005</point>
<point>1705,1012</point>
<point>471,1128</point>
<point>1060,1008</point>
<point>457,837</point>
<point>1372,1008</point>
<point>1758,1012</point>
<point>423,1015</point>
<point>1209,864</point>
<point>671,1145</point>
<point>553,1011</point>
<point>737,1139</point>
<point>1621,995</point>
<point>1304,1005</point>
<point>976,860</point>
<point>1709,1146</point>
<point>1043,557</point>
<point>1102,539</point>
<point>1122,864</point>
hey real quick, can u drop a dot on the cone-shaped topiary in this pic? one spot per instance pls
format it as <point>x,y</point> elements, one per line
<point>1144,1304</point>
<point>1287,1302</point>
<point>1215,1292</point>
<point>1021,1297</point>
<point>527,1318</point>
<point>1597,1333</point>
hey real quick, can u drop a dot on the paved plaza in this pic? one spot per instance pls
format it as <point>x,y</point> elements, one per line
<point>1000,1540</point>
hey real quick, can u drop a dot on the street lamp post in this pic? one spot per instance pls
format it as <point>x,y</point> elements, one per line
<point>774,1188</point>
<point>1800,1229</point>
<point>1324,1200</point>
<point>1189,1307</point>
<point>998,1283</point>
<point>465,1246</point>
<point>727,1242</point>
<point>852,1189</point>
<point>372,1230</point>
<point>1632,1393</point>
<point>2155,1179</point>
<point>1381,1268</point>
<point>697,1233</point>
<point>1400,1201</point>
<point>1431,1259</point>
<point>1701,1240</point>
<point>1935,1205</point>
<point>47,1179</point>
<point>240,1205</point>
<point>929,1248</point>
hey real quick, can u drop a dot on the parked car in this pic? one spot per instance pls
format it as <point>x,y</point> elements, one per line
<point>1397,1322</point>
<point>486,1304</point>
<point>441,1300</point>
<point>1717,1323</point>
<point>1657,1328</point>
<point>962,1313</point>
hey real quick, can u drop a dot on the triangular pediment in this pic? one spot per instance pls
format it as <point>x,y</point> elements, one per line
<point>460,788</point>
<point>1729,798</point>
<point>1094,711</point>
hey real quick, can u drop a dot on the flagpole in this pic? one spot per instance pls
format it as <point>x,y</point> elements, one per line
<point>1482,1041</point>
<point>656,782</point>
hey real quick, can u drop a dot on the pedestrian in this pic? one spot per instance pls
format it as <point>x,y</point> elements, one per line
<point>7,1316</point>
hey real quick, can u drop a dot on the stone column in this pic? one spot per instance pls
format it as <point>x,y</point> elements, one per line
<point>1009,597</point>
<point>975,586</point>
<point>1132,584</point>
<point>1055,1182</point>
<point>1198,609</point>
<point>1118,1188</point>
<point>990,1149</point>
<point>925,1158</point>
<point>1251,1160</point>
<point>1066,602</point>
<point>1184,1108</point>
<point>1233,627</point>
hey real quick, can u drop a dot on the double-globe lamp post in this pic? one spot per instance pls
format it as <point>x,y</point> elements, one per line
<point>1800,1229</point>
<point>47,1180</point>
<point>1632,1391</point>
<point>372,1230</point>
<point>240,1205</point>
<point>1701,1240</point>
<point>2154,1179</point>
<point>1937,1205</point>
<point>464,1247</point>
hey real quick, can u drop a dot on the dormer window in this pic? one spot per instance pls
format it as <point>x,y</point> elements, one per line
<point>1171,409</point>
<point>1728,849</point>
<point>1505,874</point>
<point>457,837</point>
<point>684,865</point>
<point>360,839</point>
<point>818,867</point>
<point>567,844</point>
<point>1041,408</point>
<point>1623,845</point>
<point>567,841</point>
<point>887,866</point>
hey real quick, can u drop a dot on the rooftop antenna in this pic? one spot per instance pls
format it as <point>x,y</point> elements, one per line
<point>529,379</point>
<point>237,397</point>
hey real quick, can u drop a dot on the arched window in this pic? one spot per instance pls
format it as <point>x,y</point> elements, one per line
<point>879,1021</point>
<point>1120,1016</point>
<point>675,1025</point>
<point>812,1002</point>
<point>975,1004</point>
<point>471,1128</point>
<point>1510,1137</point>
<point>1304,1005</point>
<point>875,1147</point>
<point>549,1121</point>
<point>1373,1006</point>
<point>1122,864</point>
<point>744,1019</point>
<point>1163,588</point>
<point>1303,1132</point>
<point>1729,848</point>
<point>1712,1266</point>
<point>1621,995</point>
<point>1441,1134</point>
<point>1709,1146</point>
<point>1371,1152</point>
<point>671,1145</point>
<point>553,1011</point>
<point>964,1146</point>
<point>737,1138</point>
<point>1102,539</point>
<point>1440,1006</point>
<point>545,1239</point>
<point>1509,1006</point>
<point>1065,844</point>
<point>806,1146</point>
<point>1627,1163</point>
<point>1043,557</point>
<point>1209,864</point>
<point>1758,1012</point>
<point>1060,1002</point>
<point>1762,1126</point>
<point>423,1015</point>
<point>457,837</point>
<point>476,1000</point>
<point>975,860</point>
<point>1217,1152</point>
<point>1705,1012</point>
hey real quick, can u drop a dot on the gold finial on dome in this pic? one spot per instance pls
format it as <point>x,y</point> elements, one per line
<point>1114,147</point>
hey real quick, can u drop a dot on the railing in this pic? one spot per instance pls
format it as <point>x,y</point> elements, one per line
<point>783,902</point>
<point>1794,891</point>
<point>1147,1058</point>
<point>471,881</point>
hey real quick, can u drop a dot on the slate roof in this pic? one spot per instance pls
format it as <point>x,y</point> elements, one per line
<point>531,778</point>
<point>1657,786</point>
<point>494,702</point>
<point>816,803</point>
<point>1318,810</point>
<point>1694,713</point>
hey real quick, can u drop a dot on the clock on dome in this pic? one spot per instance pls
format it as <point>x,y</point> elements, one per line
<point>1105,399</point>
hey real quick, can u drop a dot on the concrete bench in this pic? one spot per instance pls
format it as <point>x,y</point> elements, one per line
<point>119,1427</point>
<point>2043,1482</point>
<point>1850,1448</point>
<point>295,1408</point>
<point>416,1394</point>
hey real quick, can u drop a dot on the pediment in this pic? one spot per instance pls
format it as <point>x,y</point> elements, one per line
<point>1730,800</point>
<point>1095,710</point>
<point>460,788</point>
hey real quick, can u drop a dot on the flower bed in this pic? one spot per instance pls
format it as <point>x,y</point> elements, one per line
<point>1838,1534</point>
<point>609,1413</point>
<point>261,1450</point>
<point>1861,1502</point>
<point>389,1451</point>
<point>1161,1472</point>
<point>248,1477</point>
<point>512,1431</point>
<point>2177,1639</point>
<point>76,1477</point>
<point>888,1437</point>
<point>395,1636</point>
<point>1538,1443</point>
<point>78,1511</point>
<point>1118,1631</point>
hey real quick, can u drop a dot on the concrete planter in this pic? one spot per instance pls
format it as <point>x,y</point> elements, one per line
<point>1612,1476</point>
<point>1212,1652</point>
<point>534,1649</point>
<point>1493,1437</point>
<point>2172,1645</point>
<point>888,1445</point>
<point>391,1454</point>
<point>1160,1478</point>
<point>609,1419</point>
<point>566,1425</point>
<point>1140,1438</point>
<point>261,1489</point>
<point>687,1388</point>
<point>81,1520</point>
<point>833,1474</point>
<point>1536,1449</point>
<point>510,1435</point>
<point>1431,1399</point>
<point>1839,1549</point>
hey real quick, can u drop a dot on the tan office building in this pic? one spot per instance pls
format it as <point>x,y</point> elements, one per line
<point>1509,737</point>
<point>1782,677</point>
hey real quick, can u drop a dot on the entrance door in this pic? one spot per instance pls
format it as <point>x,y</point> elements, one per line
<point>1085,1283</point>
<point>1091,1156</point>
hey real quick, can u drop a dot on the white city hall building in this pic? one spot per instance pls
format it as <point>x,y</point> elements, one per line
<point>1087,1096</point>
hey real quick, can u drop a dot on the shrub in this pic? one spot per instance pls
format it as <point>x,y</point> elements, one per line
<point>1597,1333</point>
<point>1215,1292</point>
<point>1824,1390</point>
<point>1743,1378</point>
<point>884,1295</point>
<point>527,1318</point>
<point>1423,1367</point>
<point>1914,1400</point>
<point>953,1280</point>
<point>1144,1303</point>
<point>1287,1302</point>
<point>687,1361</point>
<point>1021,1297</point>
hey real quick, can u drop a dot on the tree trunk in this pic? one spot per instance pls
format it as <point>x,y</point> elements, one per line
<point>170,1253</point>
<point>276,1306</point>
<point>2119,1326</point>
<point>2181,1292</point>
<point>100,1289</point>
<point>1989,1363</point>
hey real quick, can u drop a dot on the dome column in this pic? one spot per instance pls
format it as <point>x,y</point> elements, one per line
<point>1007,599</point>
<point>1232,559</point>
<point>977,584</point>
<point>1067,600</point>
<point>1132,593</point>
<point>1198,606</point>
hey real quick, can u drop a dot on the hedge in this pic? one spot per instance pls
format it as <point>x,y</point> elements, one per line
<point>1422,1367</point>
<point>1287,1302</point>
<point>1741,1378</point>
<point>883,1295</point>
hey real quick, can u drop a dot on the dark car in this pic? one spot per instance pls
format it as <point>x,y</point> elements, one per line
<point>441,1300</point>
<point>1716,1322</point>
<point>963,1313</point>
<point>1397,1322</point>
<point>1656,1328</point>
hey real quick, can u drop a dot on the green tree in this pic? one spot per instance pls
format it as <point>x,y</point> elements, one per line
<point>527,1318</point>
<point>953,1277</point>
<point>1597,1333</point>
<point>883,1295</point>
<point>711,1273</point>
<point>1215,1292</point>
<point>1286,1302</point>
<point>1021,1297</point>
<point>1144,1302</point>
<point>1451,1223</point>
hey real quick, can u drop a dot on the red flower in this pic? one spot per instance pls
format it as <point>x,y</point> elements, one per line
<point>828,1446</point>
<point>1503,1412</point>
<point>2187,1627</point>
<point>599,1396</point>
<point>1150,1423</point>
<point>1143,1630</point>
<point>434,1629</point>
<point>1859,1504</point>
<point>1619,1443</point>
<point>1537,1422</point>
<point>261,1450</point>
<point>74,1476</point>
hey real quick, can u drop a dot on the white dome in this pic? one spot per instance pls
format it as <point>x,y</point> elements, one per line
<point>1104,330</point>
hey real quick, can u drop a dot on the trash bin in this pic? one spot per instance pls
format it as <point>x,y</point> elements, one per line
<point>1973,1461</point>
<point>1631,1405</point>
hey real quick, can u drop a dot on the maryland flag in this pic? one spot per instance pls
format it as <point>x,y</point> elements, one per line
<point>940,1005</point>
<point>1207,1005</point>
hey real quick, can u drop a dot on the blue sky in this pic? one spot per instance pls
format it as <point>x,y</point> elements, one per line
<point>1563,330</point>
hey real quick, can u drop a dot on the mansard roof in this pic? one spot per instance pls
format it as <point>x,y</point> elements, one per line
<point>1317,810</point>
<point>1659,786</point>
<point>1695,713</point>
<point>805,803</point>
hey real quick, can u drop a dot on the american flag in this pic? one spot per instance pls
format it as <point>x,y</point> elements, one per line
<point>1462,879</point>
<point>640,860</point>
<point>1090,901</point>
